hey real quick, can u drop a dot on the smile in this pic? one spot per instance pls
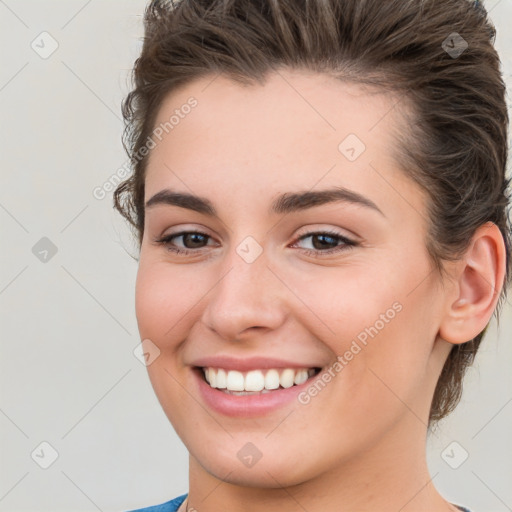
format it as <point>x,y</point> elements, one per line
<point>256,381</point>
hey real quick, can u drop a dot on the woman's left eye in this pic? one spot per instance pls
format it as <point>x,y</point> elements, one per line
<point>326,243</point>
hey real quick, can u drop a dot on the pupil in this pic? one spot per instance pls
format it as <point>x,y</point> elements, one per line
<point>195,239</point>
<point>330,241</point>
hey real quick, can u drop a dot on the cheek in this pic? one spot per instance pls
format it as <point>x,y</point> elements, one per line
<point>165,299</point>
<point>344,303</point>
<point>377,320</point>
<point>152,301</point>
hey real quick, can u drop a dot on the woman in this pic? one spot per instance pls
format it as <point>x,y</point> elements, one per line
<point>320,199</point>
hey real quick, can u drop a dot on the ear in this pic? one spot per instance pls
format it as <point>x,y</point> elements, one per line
<point>478,280</point>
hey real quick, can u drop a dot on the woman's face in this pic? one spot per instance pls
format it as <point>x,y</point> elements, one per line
<point>311,254</point>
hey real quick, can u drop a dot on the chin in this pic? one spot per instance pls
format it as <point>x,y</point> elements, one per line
<point>267,473</point>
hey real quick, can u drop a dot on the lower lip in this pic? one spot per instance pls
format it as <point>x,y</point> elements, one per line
<point>244,406</point>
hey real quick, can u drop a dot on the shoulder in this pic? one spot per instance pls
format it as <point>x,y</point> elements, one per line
<point>463,509</point>
<point>173,505</point>
<point>168,506</point>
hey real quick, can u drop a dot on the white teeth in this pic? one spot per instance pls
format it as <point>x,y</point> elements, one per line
<point>300,377</point>
<point>221,378</point>
<point>272,379</point>
<point>235,381</point>
<point>256,380</point>
<point>286,378</point>
<point>212,377</point>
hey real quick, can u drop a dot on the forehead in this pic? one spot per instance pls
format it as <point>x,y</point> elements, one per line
<point>297,130</point>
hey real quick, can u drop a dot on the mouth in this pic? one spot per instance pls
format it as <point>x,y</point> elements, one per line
<point>255,382</point>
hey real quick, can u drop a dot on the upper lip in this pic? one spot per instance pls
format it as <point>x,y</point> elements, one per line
<point>248,363</point>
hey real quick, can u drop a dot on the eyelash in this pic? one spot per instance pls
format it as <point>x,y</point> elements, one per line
<point>345,245</point>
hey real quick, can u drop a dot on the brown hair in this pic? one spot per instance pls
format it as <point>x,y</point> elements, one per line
<point>455,149</point>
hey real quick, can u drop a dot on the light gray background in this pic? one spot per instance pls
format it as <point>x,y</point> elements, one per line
<point>68,373</point>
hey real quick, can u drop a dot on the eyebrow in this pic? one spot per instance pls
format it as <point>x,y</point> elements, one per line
<point>285,203</point>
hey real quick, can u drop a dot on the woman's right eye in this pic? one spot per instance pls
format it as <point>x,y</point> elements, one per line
<point>191,241</point>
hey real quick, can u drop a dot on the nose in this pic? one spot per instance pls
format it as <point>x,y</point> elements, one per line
<point>248,298</point>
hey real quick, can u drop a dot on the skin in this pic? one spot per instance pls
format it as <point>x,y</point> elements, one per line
<point>359,445</point>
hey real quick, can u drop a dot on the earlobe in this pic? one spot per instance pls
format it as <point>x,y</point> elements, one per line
<point>478,280</point>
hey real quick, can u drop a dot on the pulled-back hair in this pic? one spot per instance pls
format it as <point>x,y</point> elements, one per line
<point>455,145</point>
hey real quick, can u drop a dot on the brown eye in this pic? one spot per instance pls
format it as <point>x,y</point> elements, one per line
<point>194,240</point>
<point>191,242</point>
<point>322,243</point>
